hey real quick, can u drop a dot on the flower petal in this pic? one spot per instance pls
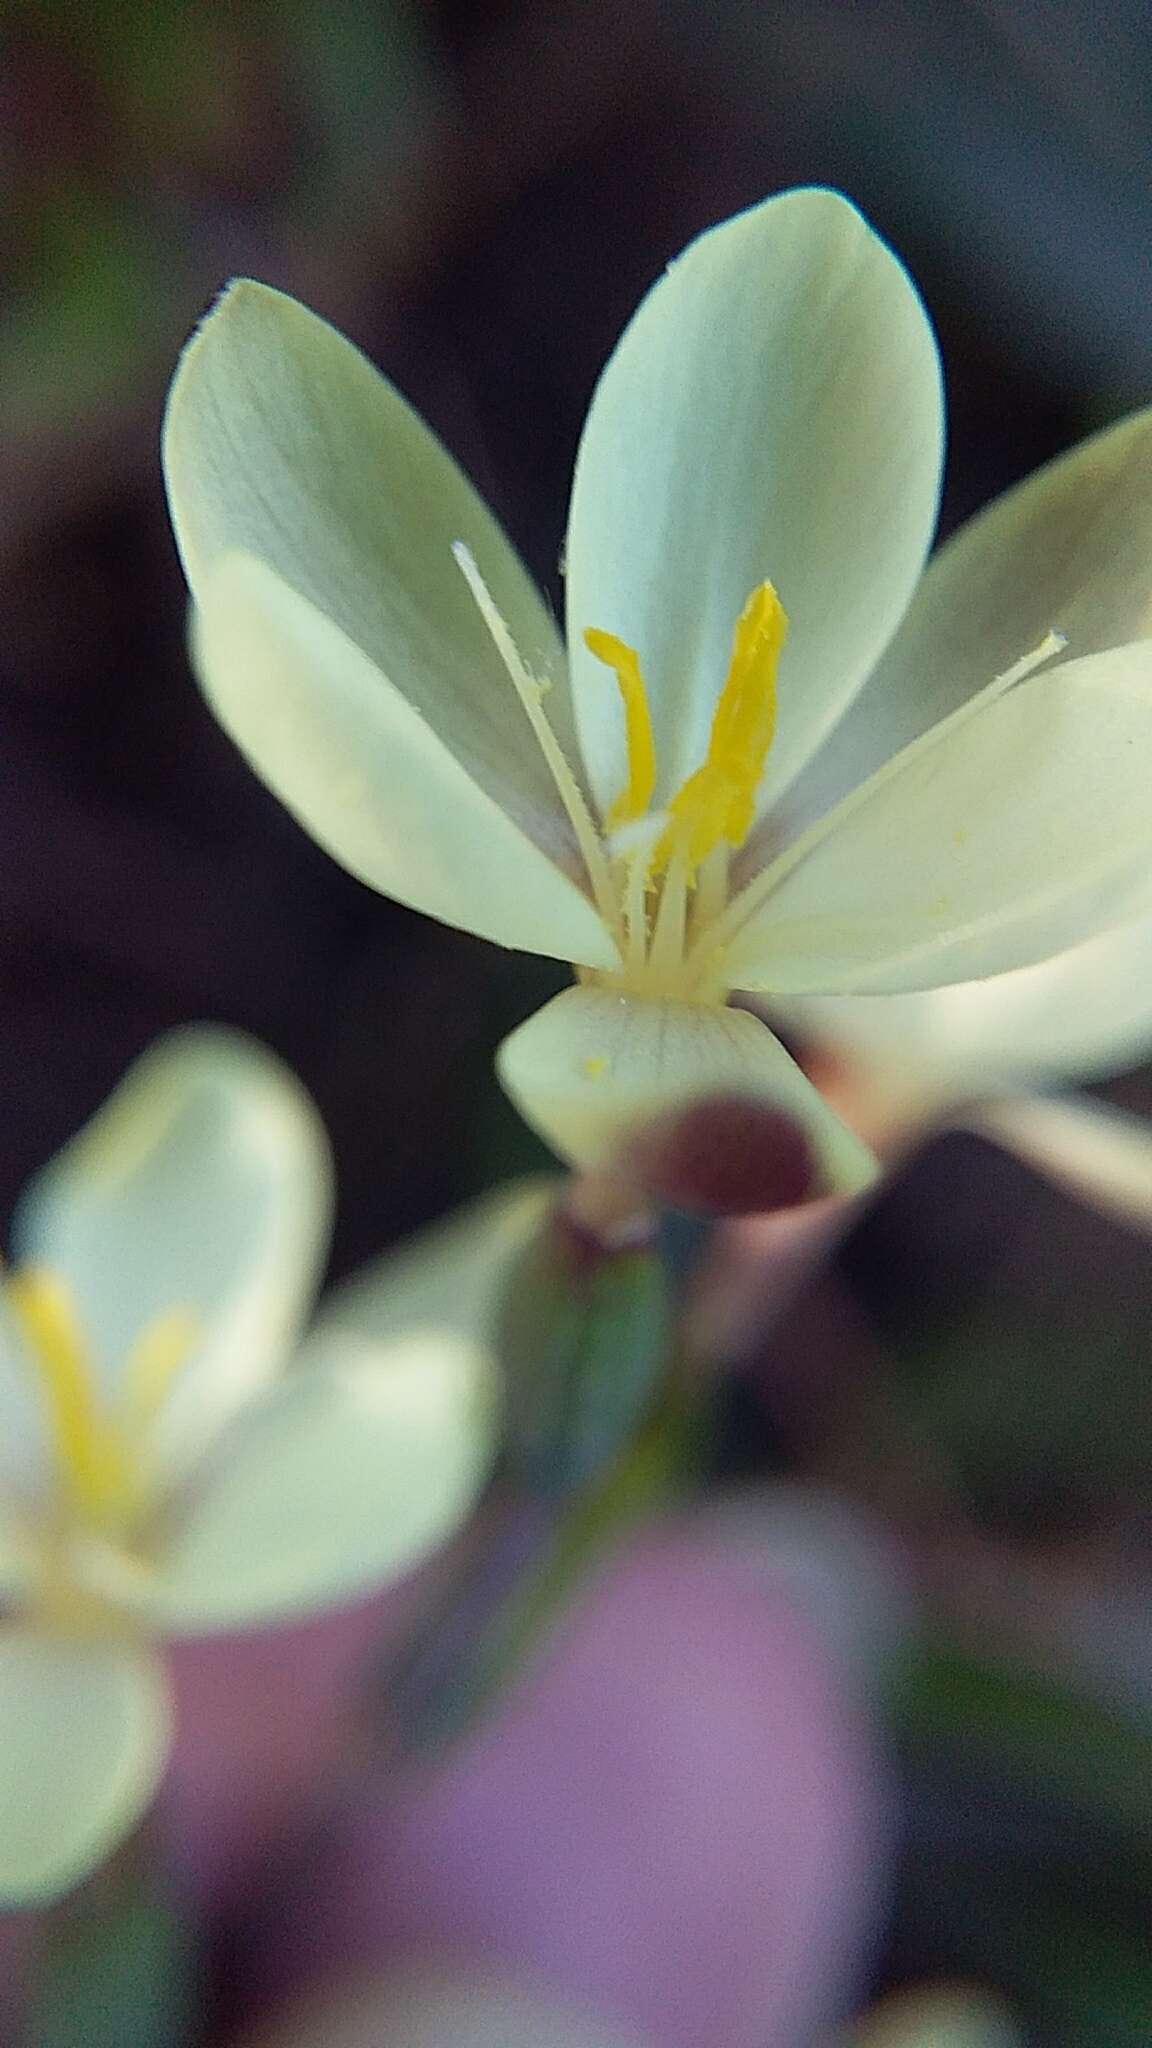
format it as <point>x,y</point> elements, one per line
<point>1085,1012</point>
<point>369,778</point>
<point>83,1738</point>
<point>773,410</point>
<point>342,1478</point>
<point>940,2016</point>
<point>25,1440</point>
<point>1101,1155</point>
<point>202,1185</point>
<point>281,440</point>
<point>683,1768</point>
<point>1070,548</point>
<point>1024,830</point>
<point>449,1278</point>
<point>592,1067</point>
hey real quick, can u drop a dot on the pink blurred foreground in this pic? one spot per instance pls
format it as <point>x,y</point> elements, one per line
<point>675,1823</point>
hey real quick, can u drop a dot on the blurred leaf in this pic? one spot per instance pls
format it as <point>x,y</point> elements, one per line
<point>93,301</point>
<point>586,1337</point>
<point>115,1969</point>
<point>1038,1874</point>
<point>1016,1321</point>
<point>1049,1736</point>
<point>529,1559</point>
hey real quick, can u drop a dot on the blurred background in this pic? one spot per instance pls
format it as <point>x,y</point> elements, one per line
<point>478,191</point>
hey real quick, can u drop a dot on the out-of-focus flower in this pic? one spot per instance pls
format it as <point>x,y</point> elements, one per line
<point>367,635</point>
<point>676,1821</point>
<point>1098,1153</point>
<point>161,1474</point>
<point>943,2017</point>
<point>437,2009</point>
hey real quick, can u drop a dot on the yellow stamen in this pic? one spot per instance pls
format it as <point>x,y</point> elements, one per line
<point>634,799</point>
<point>717,802</point>
<point>93,1462</point>
<point>96,1450</point>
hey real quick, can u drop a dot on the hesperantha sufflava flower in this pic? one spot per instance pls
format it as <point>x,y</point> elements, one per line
<point>170,1463</point>
<point>703,798</point>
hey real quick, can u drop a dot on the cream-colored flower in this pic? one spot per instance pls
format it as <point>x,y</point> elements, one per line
<point>672,811</point>
<point>160,1472</point>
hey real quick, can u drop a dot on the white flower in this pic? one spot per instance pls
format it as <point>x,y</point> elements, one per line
<point>160,1472</point>
<point>673,812</point>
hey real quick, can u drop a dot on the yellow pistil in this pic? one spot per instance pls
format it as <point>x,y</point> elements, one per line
<point>717,803</point>
<point>634,799</point>
<point>95,1450</point>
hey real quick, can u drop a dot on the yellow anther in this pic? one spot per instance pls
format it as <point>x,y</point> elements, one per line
<point>92,1460</point>
<point>96,1446</point>
<point>635,797</point>
<point>717,802</point>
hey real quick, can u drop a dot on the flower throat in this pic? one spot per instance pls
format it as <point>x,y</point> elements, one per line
<point>660,879</point>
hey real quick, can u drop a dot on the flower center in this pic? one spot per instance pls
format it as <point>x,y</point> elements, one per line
<point>643,867</point>
<point>96,1440</point>
<point>672,878</point>
<point>715,806</point>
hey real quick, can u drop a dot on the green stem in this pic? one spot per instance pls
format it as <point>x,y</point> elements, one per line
<point>114,1964</point>
<point>529,1559</point>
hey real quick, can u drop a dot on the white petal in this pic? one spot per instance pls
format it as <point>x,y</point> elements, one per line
<point>1101,1155</point>
<point>1026,830</point>
<point>21,1551</point>
<point>1071,548</point>
<point>941,2017</point>
<point>448,1278</point>
<point>83,1737</point>
<point>592,1066</point>
<point>281,440</point>
<point>773,410</point>
<point>1085,1012</point>
<point>25,1435</point>
<point>202,1184</point>
<point>364,1459</point>
<point>369,778</point>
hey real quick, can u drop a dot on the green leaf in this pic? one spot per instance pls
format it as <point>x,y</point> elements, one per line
<point>116,1968</point>
<point>586,1337</point>
<point>1050,1736</point>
